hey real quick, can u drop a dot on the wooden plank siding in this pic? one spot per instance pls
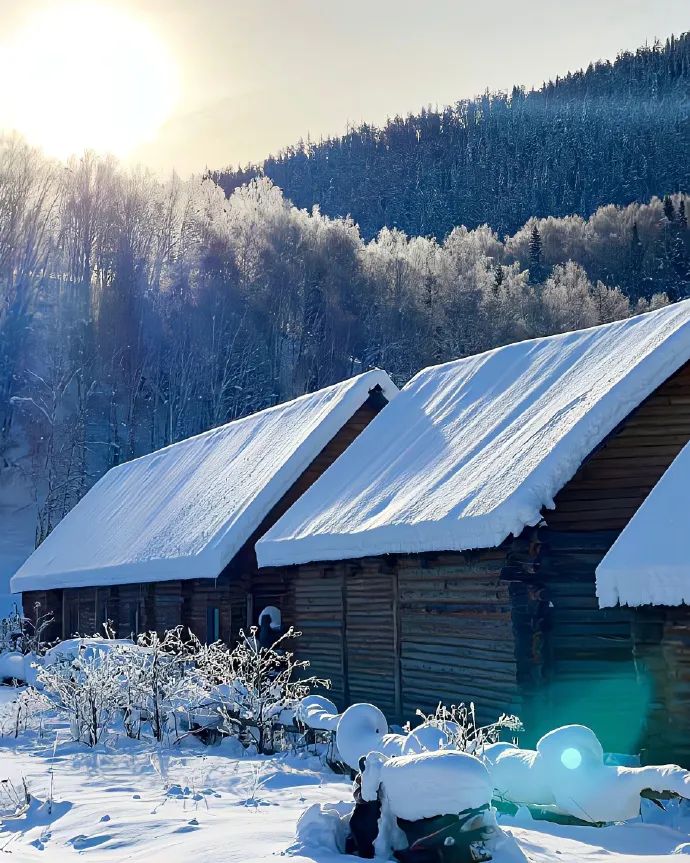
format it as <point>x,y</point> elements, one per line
<point>518,628</point>
<point>610,668</point>
<point>409,631</point>
<point>615,479</point>
<point>317,604</point>
<point>239,593</point>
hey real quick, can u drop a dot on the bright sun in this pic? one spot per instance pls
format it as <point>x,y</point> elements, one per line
<point>85,75</point>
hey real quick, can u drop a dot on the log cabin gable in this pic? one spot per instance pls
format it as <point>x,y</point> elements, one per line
<point>613,481</point>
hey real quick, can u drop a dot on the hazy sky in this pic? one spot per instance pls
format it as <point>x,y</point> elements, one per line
<point>254,76</point>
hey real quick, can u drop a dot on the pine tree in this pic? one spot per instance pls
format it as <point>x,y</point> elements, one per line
<point>682,218</point>
<point>669,209</point>
<point>535,254</point>
<point>498,277</point>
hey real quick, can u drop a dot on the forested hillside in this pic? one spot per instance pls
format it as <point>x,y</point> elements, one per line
<point>134,313</point>
<point>612,134</point>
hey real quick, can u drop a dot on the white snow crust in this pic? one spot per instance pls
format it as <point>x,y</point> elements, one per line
<point>472,451</point>
<point>427,784</point>
<point>649,563</point>
<point>184,511</point>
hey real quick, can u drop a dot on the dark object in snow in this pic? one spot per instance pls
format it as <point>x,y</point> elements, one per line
<point>445,838</point>
<point>364,821</point>
<point>268,633</point>
<point>543,813</point>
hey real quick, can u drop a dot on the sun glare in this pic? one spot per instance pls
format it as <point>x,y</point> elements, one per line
<point>85,76</point>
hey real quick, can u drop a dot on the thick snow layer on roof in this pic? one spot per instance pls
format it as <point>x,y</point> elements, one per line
<point>184,511</point>
<point>649,563</point>
<point>471,451</point>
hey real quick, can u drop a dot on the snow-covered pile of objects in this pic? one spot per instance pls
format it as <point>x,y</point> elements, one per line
<point>437,800</point>
<point>427,784</point>
<point>567,772</point>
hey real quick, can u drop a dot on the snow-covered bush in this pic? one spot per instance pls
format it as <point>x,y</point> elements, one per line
<point>88,689</point>
<point>159,676</point>
<point>254,685</point>
<point>22,640</point>
<point>456,727</point>
<point>20,634</point>
<point>363,728</point>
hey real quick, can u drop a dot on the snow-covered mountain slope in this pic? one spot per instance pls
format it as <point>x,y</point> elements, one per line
<point>17,530</point>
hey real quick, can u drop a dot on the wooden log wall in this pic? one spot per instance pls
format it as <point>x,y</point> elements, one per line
<point>589,674</point>
<point>457,639</point>
<point>317,604</point>
<point>672,728</point>
<point>49,602</point>
<point>407,632</point>
<point>133,609</point>
<point>619,660</point>
<point>612,483</point>
<point>371,635</point>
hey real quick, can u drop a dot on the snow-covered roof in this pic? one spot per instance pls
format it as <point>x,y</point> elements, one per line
<point>649,563</point>
<point>184,511</point>
<point>472,450</point>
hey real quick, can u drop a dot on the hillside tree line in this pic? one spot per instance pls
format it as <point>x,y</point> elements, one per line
<point>136,312</point>
<point>614,133</point>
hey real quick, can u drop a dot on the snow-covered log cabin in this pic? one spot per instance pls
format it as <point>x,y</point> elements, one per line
<point>450,553</point>
<point>648,570</point>
<point>168,538</point>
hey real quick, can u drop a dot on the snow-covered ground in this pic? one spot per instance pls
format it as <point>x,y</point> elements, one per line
<point>138,801</point>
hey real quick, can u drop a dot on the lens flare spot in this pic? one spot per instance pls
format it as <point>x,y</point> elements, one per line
<point>571,758</point>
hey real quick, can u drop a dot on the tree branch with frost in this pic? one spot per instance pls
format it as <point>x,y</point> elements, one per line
<point>254,684</point>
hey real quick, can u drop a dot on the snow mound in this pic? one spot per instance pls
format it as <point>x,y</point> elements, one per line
<point>649,563</point>
<point>427,784</point>
<point>184,511</point>
<point>567,772</point>
<point>19,667</point>
<point>472,451</point>
<point>318,713</point>
<point>362,729</point>
<point>322,826</point>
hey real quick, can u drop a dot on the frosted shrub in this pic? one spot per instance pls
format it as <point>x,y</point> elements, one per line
<point>21,634</point>
<point>160,675</point>
<point>88,689</point>
<point>254,685</point>
<point>459,725</point>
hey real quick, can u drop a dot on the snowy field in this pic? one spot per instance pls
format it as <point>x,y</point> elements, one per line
<point>132,800</point>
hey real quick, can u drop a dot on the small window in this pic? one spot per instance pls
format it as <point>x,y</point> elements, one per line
<point>212,624</point>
